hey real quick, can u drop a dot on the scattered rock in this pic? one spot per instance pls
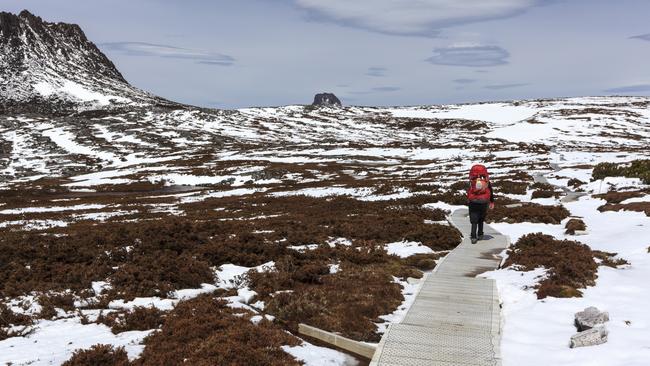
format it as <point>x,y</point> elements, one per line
<point>590,337</point>
<point>268,174</point>
<point>326,100</point>
<point>590,318</point>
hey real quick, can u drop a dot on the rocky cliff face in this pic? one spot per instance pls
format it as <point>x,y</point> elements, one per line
<point>53,67</point>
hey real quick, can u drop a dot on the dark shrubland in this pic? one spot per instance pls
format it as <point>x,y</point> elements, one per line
<point>9,320</point>
<point>528,212</point>
<point>347,302</point>
<point>205,331</point>
<point>510,187</point>
<point>570,264</point>
<point>634,169</point>
<point>140,318</point>
<point>99,355</point>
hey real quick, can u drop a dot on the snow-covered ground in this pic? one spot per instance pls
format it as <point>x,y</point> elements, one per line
<point>187,156</point>
<point>537,332</point>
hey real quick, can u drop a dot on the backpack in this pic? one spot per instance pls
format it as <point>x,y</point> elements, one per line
<point>477,171</point>
<point>479,190</point>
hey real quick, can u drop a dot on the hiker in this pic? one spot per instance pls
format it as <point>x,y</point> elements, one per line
<point>480,196</point>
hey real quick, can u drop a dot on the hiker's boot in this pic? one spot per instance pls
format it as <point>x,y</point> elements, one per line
<point>473,240</point>
<point>481,237</point>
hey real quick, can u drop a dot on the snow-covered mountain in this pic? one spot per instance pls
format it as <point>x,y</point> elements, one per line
<point>53,67</point>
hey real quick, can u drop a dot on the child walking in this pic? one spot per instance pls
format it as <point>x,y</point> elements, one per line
<point>480,196</point>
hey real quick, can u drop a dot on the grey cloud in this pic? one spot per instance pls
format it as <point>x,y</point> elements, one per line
<point>505,86</point>
<point>464,81</point>
<point>379,89</point>
<point>643,37</point>
<point>166,51</point>
<point>640,88</point>
<point>386,89</point>
<point>471,56</point>
<point>376,71</point>
<point>412,17</point>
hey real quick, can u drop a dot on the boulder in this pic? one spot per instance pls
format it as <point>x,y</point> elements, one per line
<point>589,318</point>
<point>326,100</point>
<point>590,337</point>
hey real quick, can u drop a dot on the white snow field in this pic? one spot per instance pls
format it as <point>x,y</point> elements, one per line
<point>143,164</point>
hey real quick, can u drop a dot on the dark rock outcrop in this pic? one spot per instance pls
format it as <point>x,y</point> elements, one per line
<point>326,100</point>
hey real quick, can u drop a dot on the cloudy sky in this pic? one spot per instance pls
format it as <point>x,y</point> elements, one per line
<point>237,53</point>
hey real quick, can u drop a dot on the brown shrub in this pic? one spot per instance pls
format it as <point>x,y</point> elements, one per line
<point>33,262</point>
<point>139,318</point>
<point>510,187</point>
<point>574,225</point>
<point>159,273</point>
<point>570,264</point>
<point>459,186</point>
<point>99,355</point>
<point>205,331</point>
<point>423,262</point>
<point>575,182</point>
<point>530,212</point>
<point>607,259</point>
<point>452,198</point>
<point>634,206</point>
<point>9,319</point>
<point>618,197</point>
<point>542,194</point>
<point>346,302</point>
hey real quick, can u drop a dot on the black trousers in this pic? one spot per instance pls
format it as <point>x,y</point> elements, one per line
<point>477,213</point>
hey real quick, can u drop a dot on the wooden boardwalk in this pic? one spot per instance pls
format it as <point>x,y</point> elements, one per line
<point>456,317</point>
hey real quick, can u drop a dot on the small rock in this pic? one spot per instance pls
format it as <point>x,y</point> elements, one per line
<point>327,100</point>
<point>589,318</point>
<point>590,337</point>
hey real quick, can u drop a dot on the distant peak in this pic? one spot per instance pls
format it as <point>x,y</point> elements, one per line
<point>326,99</point>
<point>26,14</point>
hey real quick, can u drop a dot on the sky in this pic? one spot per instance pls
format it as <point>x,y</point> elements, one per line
<point>242,53</point>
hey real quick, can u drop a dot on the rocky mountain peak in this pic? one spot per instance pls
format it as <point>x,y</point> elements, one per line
<point>47,65</point>
<point>326,100</point>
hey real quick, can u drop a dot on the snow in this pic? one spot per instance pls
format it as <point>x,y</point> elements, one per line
<point>313,355</point>
<point>17,211</point>
<point>406,249</point>
<point>543,327</point>
<point>229,274</point>
<point>492,112</point>
<point>76,91</point>
<point>325,192</point>
<point>531,327</point>
<point>65,140</point>
<point>53,342</point>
